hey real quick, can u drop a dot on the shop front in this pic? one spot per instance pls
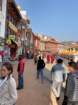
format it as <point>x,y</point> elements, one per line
<point>13,18</point>
<point>13,46</point>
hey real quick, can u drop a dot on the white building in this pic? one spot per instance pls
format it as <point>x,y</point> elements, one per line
<point>3,4</point>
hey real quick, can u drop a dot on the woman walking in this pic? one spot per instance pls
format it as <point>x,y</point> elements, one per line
<point>8,92</point>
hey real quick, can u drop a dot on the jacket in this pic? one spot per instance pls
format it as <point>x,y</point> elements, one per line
<point>21,65</point>
<point>40,64</point>
<point>8,92</point>
<point>72,87</point>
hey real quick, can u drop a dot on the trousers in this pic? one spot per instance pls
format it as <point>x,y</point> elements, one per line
<point>40,73</point>
<point>56,88</point>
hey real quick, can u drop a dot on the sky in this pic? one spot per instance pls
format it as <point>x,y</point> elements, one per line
<point>55,18</point>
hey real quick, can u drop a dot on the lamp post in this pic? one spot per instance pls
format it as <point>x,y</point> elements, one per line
<point>22,41</point>
<point>24,44</point>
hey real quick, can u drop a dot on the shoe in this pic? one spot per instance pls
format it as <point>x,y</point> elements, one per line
<point>58,98</point>
<point>18,88</point>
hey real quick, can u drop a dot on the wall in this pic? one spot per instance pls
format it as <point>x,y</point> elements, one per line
<point>36,43</point>
<point>52,47</point>
<point>42,46</point>
<point>3,19</point>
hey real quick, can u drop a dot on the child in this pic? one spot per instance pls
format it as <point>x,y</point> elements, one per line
<point>8,92</point>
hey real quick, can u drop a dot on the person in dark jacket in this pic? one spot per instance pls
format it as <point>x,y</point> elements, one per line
<point>40,68</point>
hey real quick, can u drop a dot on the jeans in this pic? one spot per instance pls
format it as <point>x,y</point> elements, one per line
<point>40,73</point>
<point>20,81</point>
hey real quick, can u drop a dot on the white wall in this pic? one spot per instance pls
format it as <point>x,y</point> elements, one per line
<point>3,19</point>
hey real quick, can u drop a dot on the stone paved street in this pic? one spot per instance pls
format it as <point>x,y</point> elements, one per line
<point>34,93</point>
<point>37,31</point>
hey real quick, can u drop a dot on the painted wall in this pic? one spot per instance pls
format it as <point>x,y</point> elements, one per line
<point>52,47</point>
<point>42,46</point>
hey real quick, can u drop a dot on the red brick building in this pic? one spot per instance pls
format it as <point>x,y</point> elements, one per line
<point>52,46</point>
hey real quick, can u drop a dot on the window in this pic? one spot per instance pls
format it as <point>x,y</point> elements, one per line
<point>0,5</point>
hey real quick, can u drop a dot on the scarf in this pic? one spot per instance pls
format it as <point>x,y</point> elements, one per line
<point>2,81</point>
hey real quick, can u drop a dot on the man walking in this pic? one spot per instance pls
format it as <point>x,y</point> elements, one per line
<point>58,76</point>
<point>40,68</point>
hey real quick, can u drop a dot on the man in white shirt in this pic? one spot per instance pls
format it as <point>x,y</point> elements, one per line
<point>58,76</point>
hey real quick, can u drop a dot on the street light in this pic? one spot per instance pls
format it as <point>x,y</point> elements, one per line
<point>22,42</point>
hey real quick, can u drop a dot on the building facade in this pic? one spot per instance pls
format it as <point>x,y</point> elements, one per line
<point>13,18</point>
<point>52,46</point>
<point>36,41</point>
<point>3,5</point>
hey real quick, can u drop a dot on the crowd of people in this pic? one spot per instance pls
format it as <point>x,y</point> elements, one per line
<point>62,81</point>
<point>70,78</point>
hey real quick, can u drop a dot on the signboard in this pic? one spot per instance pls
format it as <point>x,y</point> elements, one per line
<point>13,27</point>
<point>11,37</point>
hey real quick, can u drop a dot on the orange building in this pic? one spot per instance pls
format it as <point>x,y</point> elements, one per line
<point>52,46</point>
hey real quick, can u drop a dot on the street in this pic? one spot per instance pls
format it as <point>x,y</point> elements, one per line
<point>29,29</point>
<point>34,93</point>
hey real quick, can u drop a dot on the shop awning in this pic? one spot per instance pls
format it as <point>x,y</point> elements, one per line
<point>11,40</point>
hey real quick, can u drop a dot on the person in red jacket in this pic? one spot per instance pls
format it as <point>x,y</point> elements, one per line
<point>20,70</point>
